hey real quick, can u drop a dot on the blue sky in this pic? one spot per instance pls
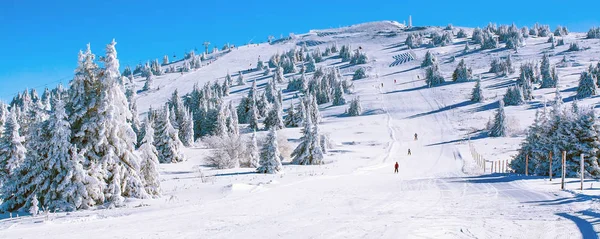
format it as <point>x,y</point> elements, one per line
<point>40,39</point>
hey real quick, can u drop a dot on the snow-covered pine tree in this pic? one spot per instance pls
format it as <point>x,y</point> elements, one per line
<point>167,140</point>
<point>228,79</point>
<point>587,85</point>
<point>186,129</point>
<point>555,78</point>
<point>156,68</point>
<point>429,60</point>
<point>477,93</point>
<point>338,96</point>
<point>186,66</point>
<point>260,64</point>
<point>359,74</point>
<point>148,85</point>
<point>461,34</point>
<point>135,123</point>
<point>240,79</point>
<point>355,108</point>
<point>433,77</point>
<point>274,119</point>
<point>165,60</point>
<point>462,73</point>
<point>3,117</point>
<point>499,128</point>
<point>253,154</point>
<point>290,119</point>
<point>547,79</point>
<point>312,108</point>
<point>233,128</point>
<point>220,128</point>
<point>253,114</point>
<point>489,41</point>
<point>149,161</point>
<point>225,88</point>
<point>513,96</point>
<point>12,149</point>
<point>278,77</point>
<point>308,152</point>
<point>270,158</point>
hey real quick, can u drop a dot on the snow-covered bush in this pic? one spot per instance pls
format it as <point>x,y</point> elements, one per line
<point>461,33</point>
<point>574,47</point>
<point>228,151</point>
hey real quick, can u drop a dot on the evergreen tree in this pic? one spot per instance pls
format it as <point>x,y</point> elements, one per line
<point>228,79</point>
<point>429,60</point>
<point>240,79</point>
<point>278,77</point>
<point>254,157</point>
<point>34,209</point>
<point>499,128</point>
<point>270,158</point>
<point>477,93</point>
<point>547,79</point>
<point>274,119</point>
<point>220,128</point>
<point>513,96</point>
<point>149,82</point>
<point>309,150</point>
<point>355,108</point>
<point>233,128</point>
<point>167,140</point>
<point>462,73</point>
<point>186,129</point>
<point>253,115</point>
<point>433,77</point>
<point>587,85</point>
<point>359,74</point>
<point>338,97</point>
<point>165,60</point>
<point>149,161</point>
<point>12,149</point>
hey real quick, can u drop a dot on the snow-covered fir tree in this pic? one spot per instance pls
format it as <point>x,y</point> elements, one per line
<point>359,74</point>
<point>12,149</point>
<point>165,60</point>
<point>429,60</point>
<point>278,77</point>
<point>462,73</point>
<point>355,108</point>
<point>499,127</point>
<point>148,85</point>
<point>156,68</point>
<point>309,150</point>
<point>338,96</point>
<point>233,127</point>
<point>253,152</point>
<point>547,78</point>
<point>270,158</point>
<point>274,119</point>
<point>167,139</point>
<point>587,85</point>
<point>477,93</point>
<point>149,161</point>
<point>433,77</point>
<point>513,96</point>
<point>240,79</point>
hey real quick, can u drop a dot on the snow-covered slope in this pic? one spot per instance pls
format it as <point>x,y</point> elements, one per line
<point>439,191</point>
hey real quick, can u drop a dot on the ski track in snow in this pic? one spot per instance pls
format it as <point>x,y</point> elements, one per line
<point>439,193</point>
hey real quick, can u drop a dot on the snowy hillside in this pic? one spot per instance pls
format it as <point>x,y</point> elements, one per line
<point>440,191</point>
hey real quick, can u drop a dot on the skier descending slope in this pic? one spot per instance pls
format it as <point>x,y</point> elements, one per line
<point>396,167</point>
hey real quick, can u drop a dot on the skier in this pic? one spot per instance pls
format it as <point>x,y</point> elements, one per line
<point>409,152</point>
<point>381,85</point>
<point>396,168</point>
<point>416,137</point>
<point>394,81</point>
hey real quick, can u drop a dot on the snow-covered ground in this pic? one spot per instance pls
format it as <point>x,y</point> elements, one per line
<point>439,192</point>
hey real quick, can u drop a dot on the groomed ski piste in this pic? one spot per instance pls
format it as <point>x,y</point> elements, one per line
<point>439,192</point>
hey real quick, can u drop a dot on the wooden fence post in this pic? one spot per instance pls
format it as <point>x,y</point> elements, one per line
<point>582,171</point>
<point>527,165</point>
<point>550,168</point>
<point>564,167</point>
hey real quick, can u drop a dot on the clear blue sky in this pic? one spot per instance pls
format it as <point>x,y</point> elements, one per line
<point>40,39</point>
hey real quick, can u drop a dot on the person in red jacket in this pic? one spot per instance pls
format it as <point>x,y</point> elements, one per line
<point>396,168</point>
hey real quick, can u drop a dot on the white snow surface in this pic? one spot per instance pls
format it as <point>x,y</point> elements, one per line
<point>438,193</point>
